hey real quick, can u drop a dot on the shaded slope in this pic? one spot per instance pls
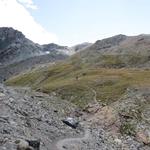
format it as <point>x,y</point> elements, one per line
<point>17,53</point>
<point>15,47</point>
<point>28,64</point>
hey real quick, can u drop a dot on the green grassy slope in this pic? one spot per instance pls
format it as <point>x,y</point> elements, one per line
<point>109,67</point>
<point>75,83</point>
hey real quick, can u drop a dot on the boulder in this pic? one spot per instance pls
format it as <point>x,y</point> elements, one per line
<point>28,144</point>
<point>34,143</point>
<point>71,122</point>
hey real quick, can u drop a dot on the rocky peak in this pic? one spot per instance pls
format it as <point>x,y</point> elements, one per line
<point>52,47</point>
<point>81,46</point>
<point>109,42</point>
<point>10,33</point>
<point>15,47</point>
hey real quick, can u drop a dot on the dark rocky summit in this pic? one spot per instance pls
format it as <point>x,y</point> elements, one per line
<point>109,42</point>
<point>15,47</point>
<point>17,53</point>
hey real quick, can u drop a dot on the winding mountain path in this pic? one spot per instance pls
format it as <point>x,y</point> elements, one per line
<point>60,145</point>
<point>95,96</point>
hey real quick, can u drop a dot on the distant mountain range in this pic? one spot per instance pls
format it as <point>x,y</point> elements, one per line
<point>108,83</point>
<point>15,47</point>
<point>108,65</point>
<point>17,53</point>
<point>117,51</point>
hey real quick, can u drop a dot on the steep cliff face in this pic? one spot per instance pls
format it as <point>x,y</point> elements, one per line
<point>17,53</point>
<point>14,46</point>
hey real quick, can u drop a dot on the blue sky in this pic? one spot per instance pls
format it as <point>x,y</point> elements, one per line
<point>77,21</point>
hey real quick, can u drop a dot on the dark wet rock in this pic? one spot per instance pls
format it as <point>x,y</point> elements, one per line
<point>34,143</point>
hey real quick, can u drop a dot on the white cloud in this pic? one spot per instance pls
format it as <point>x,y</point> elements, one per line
<point>13,14</point>
<point>28,4</point>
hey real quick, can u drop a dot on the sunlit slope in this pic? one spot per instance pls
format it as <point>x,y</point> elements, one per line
<point>77,85</point>
<point>108,67</point>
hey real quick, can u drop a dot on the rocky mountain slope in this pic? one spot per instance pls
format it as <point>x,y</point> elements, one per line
<point>17,53</point>
<point>28,64</point>
<point>34,117</point>
<point>15,47</point>
<point>115,53</point>
<point>49,48</point>
<point>109,83</point>
<point>81,46</point>
<point>118,51</point>
<point>29,115</point>
<point>107,65</point>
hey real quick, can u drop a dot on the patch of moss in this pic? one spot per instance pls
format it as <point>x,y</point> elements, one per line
<point>137,59</point>
<point>78,95</point>
<point>27,79</point>
<point>112,61</point>
<point>111,93</point>
<point>128,128</point>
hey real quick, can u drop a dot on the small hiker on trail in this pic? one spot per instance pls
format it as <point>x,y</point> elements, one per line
<point>77,78</point>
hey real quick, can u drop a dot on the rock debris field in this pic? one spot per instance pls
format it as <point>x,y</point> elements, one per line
<point>27,116</point>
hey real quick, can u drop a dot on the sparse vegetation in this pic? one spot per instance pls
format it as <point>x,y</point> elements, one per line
<point>110,84</point>
<point>128,128</point>
<point>112,61</point>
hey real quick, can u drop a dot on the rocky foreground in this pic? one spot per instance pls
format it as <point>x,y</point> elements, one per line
<point>26,115</point>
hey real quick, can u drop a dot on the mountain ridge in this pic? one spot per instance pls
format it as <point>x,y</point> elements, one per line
<point>15,47</point>
<point>109,83</point>
<point>107,55</point>
<point>17,53</point>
